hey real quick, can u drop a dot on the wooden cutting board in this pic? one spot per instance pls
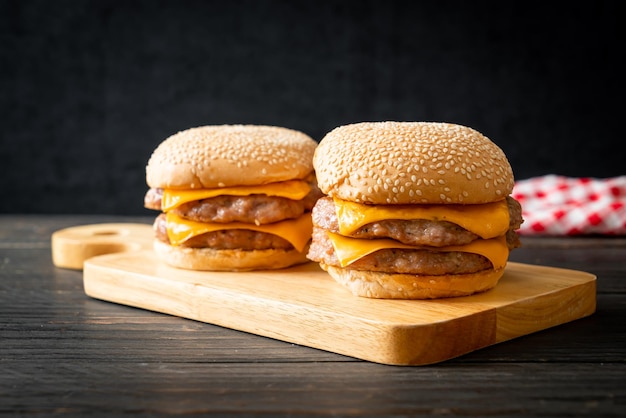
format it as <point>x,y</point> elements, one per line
<point>305,306</point>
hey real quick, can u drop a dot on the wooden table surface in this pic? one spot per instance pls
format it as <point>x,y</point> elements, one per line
<point>62,352</point>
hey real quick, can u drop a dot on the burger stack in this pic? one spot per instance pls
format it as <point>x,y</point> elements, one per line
<point>413,210</point>
<point>232,197</point>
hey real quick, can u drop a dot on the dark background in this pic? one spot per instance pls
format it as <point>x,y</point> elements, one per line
<point>89,88</point>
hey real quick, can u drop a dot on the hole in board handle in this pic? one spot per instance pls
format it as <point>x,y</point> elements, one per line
<point>106,233</point>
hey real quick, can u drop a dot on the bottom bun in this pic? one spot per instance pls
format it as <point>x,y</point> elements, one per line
<point>227,260</point>
<point>373,284</point>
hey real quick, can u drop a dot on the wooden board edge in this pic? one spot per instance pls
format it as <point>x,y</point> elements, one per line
<point>547,311</point>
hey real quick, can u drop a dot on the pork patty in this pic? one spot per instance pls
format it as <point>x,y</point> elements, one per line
<point>257,209</point>
<point>242,239</point>
<point>423,261</point>
<point>426,234</point>
<point>414,232</point>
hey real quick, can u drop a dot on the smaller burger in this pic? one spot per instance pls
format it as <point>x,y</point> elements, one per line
<point>233,197</point>
<point>414,210</point>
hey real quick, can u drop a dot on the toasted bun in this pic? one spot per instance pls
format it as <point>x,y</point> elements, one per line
<point>379,285</point>
<point>227,260</point>
<point>230,155</point>
<point>411,163</point>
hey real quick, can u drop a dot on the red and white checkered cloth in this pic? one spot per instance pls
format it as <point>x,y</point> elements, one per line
<point>557,205</point>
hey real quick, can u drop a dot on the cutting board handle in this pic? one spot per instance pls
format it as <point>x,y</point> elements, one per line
<point>72,246</point>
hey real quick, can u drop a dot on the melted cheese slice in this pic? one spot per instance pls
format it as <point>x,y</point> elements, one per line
<point>296,231</point>
<point>292,189</point>
<point>488,220</point>
<point>349,250</point>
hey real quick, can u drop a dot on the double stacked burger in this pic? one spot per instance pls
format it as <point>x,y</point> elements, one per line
<point>233,197</point>
<point>413,210</point>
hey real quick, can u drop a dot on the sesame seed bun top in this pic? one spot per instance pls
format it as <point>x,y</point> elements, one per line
<point>411,163</point>
<point>230,155</point>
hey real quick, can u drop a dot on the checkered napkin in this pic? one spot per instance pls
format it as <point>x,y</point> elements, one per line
<point>557,205</point>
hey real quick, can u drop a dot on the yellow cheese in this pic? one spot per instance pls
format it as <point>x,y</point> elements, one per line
<point>296,231</point>
<point>487,220</point>
<point>349,250</point>
<point>292,189</point>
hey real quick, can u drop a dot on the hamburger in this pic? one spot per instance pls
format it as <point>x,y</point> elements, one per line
<point>413,210</point>
<point>232,197</point>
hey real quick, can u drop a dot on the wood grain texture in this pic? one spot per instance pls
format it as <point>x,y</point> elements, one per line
<point>304,305</point>
<point>63,353</point>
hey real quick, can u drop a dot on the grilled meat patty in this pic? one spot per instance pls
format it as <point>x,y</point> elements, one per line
<point>424,261</point>
<point>413,232</point>
<point>254,209</point>
<point>421,233</point>
<point>227,239</point>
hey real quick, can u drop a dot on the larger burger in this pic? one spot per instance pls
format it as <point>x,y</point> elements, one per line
<point>413,210</point>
